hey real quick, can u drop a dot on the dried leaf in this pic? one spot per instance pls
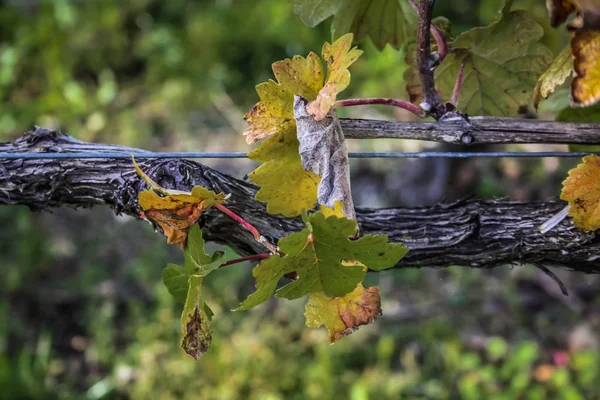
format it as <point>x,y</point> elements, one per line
<point>559,10</point>
<point>582,190</point>
<point>588,13</point>
<point>585,89</point>
<point>274,113</point>
<point>318,254</point>
<point>339,57</point>
<point>556,74</point>
<point>343,315</point>
<point>195,323</point>
<point>175,210</point>
<point>284,185</point>
<point>323,152</point>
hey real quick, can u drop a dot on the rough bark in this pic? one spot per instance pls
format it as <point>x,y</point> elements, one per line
<point>480,130</point>
<point>472,233</point>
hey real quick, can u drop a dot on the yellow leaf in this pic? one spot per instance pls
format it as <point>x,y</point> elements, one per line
<point>585,89</point>
<point>343,315</point>
<point>337,210</point>
<point>175,210</point>
<point>284,185</point>
<point>555,75</point>
<point>339,57</point>
<point>582,190</point>
<point>274,113</point>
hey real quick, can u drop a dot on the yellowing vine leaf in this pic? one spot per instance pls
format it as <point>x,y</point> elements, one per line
<point>384,21</point>
<point>556,74</point>
<point>585,89</point>
<point>284,185</point>
<point>582,190</point>
<point>274,113</point>
<point>337,210</point>
<point>339,56</point>
<point>317,255</point>
<point>175,210</point>
<point>502,64</point>
<point>343,315</point>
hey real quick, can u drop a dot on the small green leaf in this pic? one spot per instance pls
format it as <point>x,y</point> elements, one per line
<point>197,262</point>
<point>176,281</point>
<point>195,325</point>
<point>319,254</point>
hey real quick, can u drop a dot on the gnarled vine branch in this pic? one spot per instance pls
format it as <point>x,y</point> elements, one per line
<point>472,233</point>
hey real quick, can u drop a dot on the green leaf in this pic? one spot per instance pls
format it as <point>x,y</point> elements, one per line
<point>197,262</point>
<point>556,74</point>
<point>313,12</point>
<point>320,254</point>
<point>502,64</point>
<point>195,325</point>
<point>176,281</point>
<point>384,21</point>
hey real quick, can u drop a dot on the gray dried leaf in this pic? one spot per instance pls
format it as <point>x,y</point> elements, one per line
<point>323,151</point>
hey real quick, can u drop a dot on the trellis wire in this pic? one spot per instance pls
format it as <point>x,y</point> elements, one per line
<point>423,154</point>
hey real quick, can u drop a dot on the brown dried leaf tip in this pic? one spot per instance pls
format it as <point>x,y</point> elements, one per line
<point>197,338</point>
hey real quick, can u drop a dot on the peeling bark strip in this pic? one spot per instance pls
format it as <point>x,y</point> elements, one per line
<point>475,233</point>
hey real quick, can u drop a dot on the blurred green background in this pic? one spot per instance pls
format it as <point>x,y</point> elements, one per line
<point>83,312</point>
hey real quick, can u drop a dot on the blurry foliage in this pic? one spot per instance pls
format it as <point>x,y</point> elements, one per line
<point>83,313</point>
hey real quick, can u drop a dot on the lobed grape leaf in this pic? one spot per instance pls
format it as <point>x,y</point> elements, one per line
<point>343,315</point>
<point>339,56</point>
<point>384,21</point>
<point>197,262</point>
<point>582,190</point>
<point>585,89</point>
<point>274,113</point>
<point>502,63</point>
<point>195,322</point>
<point>285,186</point>
<point>175,210</point>
<point>556,74</point>
<point>317,255</point>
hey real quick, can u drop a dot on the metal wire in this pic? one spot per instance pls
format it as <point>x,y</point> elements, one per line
<point>424,154</point>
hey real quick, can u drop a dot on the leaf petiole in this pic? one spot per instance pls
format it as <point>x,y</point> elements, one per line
<point>253,257</point>
<point>257,236</point>
<point>383,101</point>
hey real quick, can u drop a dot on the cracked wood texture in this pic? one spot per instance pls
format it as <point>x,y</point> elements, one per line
<point>477,130</point>
<point>472,233</point>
